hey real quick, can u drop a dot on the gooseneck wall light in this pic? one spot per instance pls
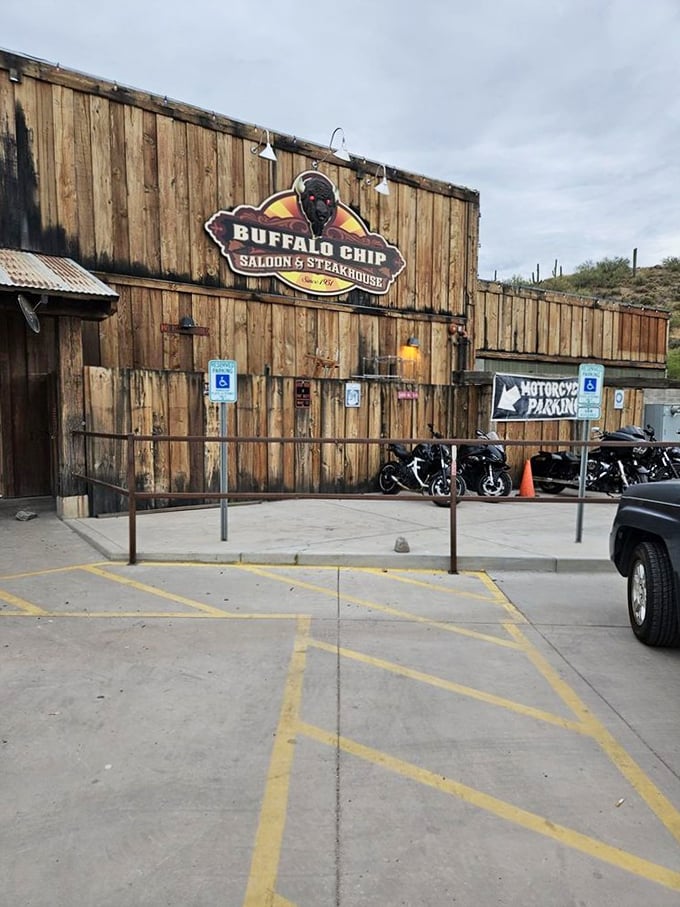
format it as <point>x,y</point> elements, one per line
<point>383,187</point>
<point>264,149</point>
<point>337,150</point>
<point>378,181</point>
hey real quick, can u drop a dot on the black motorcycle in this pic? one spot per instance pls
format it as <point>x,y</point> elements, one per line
<point>415,470</point>
<point>440,482</point>
<point>484,467</point>
<point>613,469</point>
<point>609,469</point>
<point>553,471</point>
<point>661,462</point>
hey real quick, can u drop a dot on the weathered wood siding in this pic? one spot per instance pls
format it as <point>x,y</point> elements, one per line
<point>274,336</point>
<point>147,402</point>
<point>538,324</point>
<point>125,181</point>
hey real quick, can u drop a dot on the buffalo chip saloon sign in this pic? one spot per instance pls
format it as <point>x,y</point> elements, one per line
<point>518,398</point>
<point>307,238</point>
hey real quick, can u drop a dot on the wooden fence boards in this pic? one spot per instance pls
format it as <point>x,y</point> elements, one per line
<point>559,327</point>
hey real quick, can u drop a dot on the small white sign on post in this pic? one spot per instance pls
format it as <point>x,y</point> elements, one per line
<point>619,397</point>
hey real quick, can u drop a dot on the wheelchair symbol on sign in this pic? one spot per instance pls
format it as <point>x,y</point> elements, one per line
<point>222,381</point>
<point>590,385</point>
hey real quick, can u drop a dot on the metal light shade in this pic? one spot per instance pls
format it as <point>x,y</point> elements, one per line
<point>268,152</point>
<point>341,153</point>
<point>383,187</point>
<point>413,341</point>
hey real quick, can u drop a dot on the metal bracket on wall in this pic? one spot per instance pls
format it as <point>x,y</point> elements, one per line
<point>177,329</point>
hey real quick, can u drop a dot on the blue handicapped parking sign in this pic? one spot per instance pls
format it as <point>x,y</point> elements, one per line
<point>222,386</point>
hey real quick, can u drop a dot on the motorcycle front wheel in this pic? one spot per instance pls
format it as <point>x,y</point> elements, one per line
<point>440,485</point>
<point>387,479</point>
<point>498,485</point>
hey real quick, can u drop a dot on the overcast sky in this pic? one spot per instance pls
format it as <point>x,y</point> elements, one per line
<point>563,114</point>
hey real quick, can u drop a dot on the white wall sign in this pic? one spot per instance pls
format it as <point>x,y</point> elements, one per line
<point>352,394</point>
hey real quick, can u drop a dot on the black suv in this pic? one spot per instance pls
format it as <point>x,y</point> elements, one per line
<point>644,545</point>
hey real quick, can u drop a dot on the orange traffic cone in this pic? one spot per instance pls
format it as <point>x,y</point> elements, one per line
<point>526,487</point>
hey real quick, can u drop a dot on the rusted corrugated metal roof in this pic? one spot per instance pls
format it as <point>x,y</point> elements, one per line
<point>49,274</point>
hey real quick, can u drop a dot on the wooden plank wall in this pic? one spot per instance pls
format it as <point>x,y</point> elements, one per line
<point>149,402</point>
<point>278,337</point>
<point>533,324</point>
<point>124,181</point>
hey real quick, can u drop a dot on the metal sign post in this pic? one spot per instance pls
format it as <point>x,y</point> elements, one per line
<point>589,403</point>
<point>453,534</point>
<point>222,389</point>
<point>224,472</point>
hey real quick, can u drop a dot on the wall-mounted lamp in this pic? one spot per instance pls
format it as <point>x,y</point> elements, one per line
<point>14,75</point>
<point>264,149</point>
<point>379,181</point>
<point>383,186</point>
<point>413,341</point>
<point>340,151</point>
<point>186,326</point>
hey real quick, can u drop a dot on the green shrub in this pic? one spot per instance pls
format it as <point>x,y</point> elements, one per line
<point>610,272</point>
<point>673,263</point>
<point>673,363</point>
<point>563,284</point>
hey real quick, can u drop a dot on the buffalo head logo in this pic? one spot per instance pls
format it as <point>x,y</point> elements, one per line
<point>318,199</point>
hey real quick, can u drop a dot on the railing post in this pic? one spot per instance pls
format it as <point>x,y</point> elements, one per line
<point>453,535</point>
<point>132,502</point>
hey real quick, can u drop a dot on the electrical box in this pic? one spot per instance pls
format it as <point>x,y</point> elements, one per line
<point>665,420</point>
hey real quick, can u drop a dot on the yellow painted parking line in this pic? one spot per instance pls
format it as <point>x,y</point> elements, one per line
<point>657,802</point>
<point>261,887</point>
<point>281,902</point>
<point>159,593</point>
<point>507,811</point>
<point>449,685</point>
<point>47,571</point>
<point>386,609</point>
<point>405,577</point>
<point>180,615</point>
<point>25,608</point>
<point>500,597</point>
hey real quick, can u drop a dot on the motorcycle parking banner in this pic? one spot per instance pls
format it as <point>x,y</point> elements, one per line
<point>525,398</point>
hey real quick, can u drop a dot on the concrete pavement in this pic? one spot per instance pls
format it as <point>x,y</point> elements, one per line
<point>490,534</point>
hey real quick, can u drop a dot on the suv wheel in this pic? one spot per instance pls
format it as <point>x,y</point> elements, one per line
<point>652,609</point>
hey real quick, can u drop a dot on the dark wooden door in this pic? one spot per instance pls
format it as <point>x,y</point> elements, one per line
<point>27,370</point>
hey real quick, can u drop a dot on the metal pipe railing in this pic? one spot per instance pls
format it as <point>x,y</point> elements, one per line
<point>134,496</point>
